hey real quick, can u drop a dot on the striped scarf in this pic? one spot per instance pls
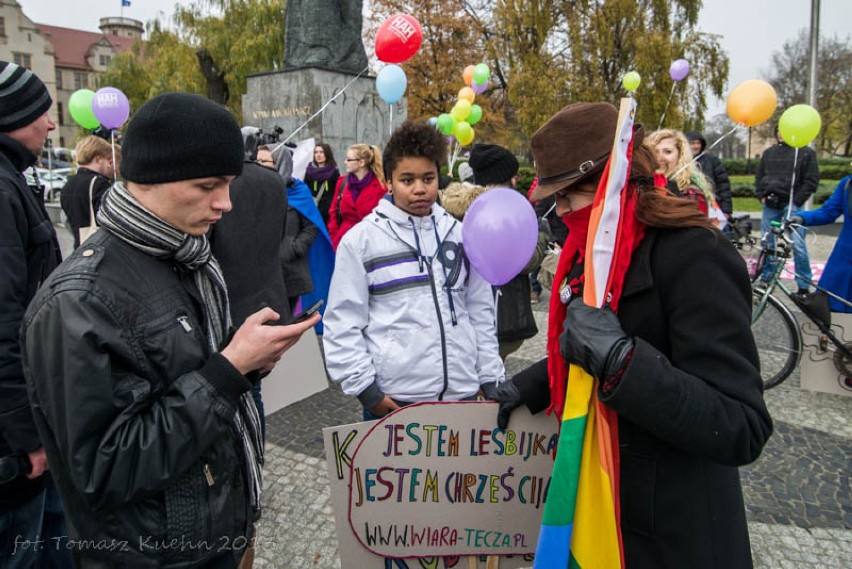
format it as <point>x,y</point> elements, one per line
<point>128,220</point>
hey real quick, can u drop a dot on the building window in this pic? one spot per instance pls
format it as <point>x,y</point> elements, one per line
<point>2,26</point>
<point>105,59</point>
<point>79,81</point>
<point>62,141</point>
<point>23,60</point>
<point>58,79</point>
<point>60,111</point>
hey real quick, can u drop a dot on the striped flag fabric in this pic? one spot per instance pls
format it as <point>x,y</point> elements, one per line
<point>581,519</point>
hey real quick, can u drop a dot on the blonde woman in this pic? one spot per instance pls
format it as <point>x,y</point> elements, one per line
<point>357,192</point>
<point>674,158</point>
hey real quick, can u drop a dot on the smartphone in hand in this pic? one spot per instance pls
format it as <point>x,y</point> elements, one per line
<point>305,314</point>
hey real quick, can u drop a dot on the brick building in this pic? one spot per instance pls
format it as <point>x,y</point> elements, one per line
<point>65,59</point>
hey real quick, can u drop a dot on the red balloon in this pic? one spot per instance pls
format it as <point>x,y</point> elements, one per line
<point>398,38</point>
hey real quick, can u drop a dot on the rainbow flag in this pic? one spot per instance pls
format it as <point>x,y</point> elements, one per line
<point>580,524</point>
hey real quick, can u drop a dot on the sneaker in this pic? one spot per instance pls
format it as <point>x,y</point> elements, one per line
<point>803,293</point>
<point>534,296</point>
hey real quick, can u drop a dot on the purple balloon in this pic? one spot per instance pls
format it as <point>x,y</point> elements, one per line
<point>679,69</point>
<point>110,107</point>
<point>477,88</point>
<point>500,231</point>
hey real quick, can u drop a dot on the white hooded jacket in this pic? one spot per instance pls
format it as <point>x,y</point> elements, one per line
<point>406,316</point>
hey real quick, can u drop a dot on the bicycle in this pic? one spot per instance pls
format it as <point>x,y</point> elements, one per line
<point>775,327</point>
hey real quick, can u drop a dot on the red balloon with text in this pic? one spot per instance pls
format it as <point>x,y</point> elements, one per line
<point>398,38</point>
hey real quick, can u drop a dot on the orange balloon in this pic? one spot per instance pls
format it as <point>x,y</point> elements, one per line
<point>467,94</point>
<point>752,102</point>
<point>468,74</point>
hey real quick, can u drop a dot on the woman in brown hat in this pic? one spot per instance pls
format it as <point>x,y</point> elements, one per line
<point>677,364</point>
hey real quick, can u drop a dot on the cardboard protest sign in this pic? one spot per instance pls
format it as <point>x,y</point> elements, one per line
<point>439,480</point>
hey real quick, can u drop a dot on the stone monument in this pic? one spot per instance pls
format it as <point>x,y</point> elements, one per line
<point>325,65</point>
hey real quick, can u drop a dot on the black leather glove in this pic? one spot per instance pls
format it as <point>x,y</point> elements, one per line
<point>594,339</point>
<point>509,398</point>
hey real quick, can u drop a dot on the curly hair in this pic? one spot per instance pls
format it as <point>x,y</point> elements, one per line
<point>688,171</point>
<point>414,140</point>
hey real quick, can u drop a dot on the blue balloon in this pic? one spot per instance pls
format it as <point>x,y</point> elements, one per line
<point>391,83</point>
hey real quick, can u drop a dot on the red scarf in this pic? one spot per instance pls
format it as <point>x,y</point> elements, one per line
<point>574,253</point>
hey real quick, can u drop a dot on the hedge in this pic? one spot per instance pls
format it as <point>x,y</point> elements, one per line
<point>829,168</point>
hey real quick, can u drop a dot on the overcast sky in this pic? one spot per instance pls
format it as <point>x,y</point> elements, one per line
<point>750,30</point>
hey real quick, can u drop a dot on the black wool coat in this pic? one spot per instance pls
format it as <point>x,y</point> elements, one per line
<point>690,402</point>
<point>29,252</point>
<point>247,243</point>
<point>74,198</point>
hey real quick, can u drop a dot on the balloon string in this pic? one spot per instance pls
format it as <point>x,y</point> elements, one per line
<point>321,109</point>
<point>114,165</point>
<point>792,184</point>
<point>497,294</point>
<point>706,150</point>
<point>666,108</point>
<point>390,126</point>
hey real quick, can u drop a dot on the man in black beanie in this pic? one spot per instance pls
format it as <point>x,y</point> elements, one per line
<point>30,508</point>
<point>141,394</point>
<point>494,166</point>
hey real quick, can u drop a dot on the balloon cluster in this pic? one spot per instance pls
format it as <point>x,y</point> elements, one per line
<point>459,121</point>
<point>108,107</point>
<point>397,40</point>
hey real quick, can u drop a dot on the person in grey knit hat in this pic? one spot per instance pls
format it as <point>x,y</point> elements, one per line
<point>30,507</point>
<point>141,396</point>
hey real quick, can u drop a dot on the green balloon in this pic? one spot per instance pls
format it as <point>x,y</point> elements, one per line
<point>631,80</point>
<point>80,107</point>
<point>446,124</point>
<point>475,115</point>
<point>799,125</point>
<point>481,74</point>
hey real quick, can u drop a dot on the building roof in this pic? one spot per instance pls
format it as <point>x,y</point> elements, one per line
<point>72,46</point>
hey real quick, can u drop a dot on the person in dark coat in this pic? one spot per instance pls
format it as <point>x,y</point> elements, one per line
<point>715,171</point>
<point>30,507</point>
<point>95,170</point>
<point>494,166</point>
<point>677,363</point>
<point>141,394</point>
<point>781,169</point>
<point>247,244</point>
<point>321,178</point>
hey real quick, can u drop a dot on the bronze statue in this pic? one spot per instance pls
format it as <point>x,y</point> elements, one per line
<point>325,34</point>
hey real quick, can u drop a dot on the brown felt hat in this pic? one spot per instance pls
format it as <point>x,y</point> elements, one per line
<point>573,146</point>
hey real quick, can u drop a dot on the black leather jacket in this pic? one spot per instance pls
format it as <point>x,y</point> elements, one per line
<point>135,413</point>
<point>29,251</point>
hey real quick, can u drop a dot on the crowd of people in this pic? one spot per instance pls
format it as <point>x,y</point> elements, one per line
<point>132,370</point>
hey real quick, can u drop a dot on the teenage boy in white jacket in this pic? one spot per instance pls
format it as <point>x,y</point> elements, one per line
<point>408,319</point>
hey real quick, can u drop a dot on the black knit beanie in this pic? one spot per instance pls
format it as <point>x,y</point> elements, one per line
<point>23,97</point>
<point>181,136</point>
<point>492,164</point>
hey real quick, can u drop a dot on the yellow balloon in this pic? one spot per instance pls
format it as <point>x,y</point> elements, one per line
<point>467,94</point>
<point>631,80</point>
<point>464,133</point>
<point>799,125</point>
<point>461,110</point>
<point>752,102</point>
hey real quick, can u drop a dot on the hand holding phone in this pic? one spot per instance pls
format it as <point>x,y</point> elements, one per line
<point>305,314</point>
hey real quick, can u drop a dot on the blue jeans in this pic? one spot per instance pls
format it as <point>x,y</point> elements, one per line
<point>34,534</point>
<point>800,252</point>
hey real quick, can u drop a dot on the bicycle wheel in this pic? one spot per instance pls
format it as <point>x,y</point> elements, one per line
<point>778,339</point>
